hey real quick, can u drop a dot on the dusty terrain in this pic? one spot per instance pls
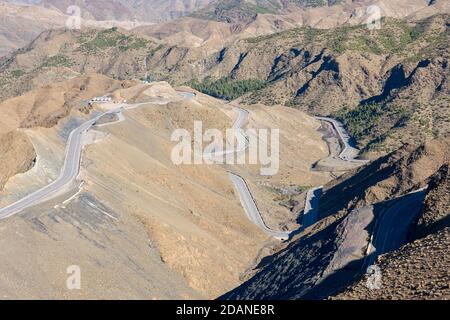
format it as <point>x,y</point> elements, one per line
<point>419,270</point>
<point>198,239</point>
<point>367,78</point>
<point>17,155</point>
<point>43,107</point>
<point>59,55</point>
<point>141,227</point>
<point>333,254</point>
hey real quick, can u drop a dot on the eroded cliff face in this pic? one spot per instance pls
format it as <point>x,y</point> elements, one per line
<point>435,214</point>
<point>419,270</point>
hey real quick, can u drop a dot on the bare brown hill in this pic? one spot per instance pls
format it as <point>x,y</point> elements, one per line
<point>43,107</point>
<point>223,22</point>
<point>388,177</point>
<point>435,214</point>
<point>21,24</point>
<point>61,54</point>
<point>149,10</point>
<point>17,155</point>
<point>129,237</point>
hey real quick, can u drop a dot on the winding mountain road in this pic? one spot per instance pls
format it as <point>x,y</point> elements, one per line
<point>348,153</point>
<point>71,166</point>
<point>248,202</point>
<point>251,209</point>
<point>72,162</point>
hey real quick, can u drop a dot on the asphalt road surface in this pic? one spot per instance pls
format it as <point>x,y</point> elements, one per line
<point>251,209</point>
<point>248,202</point>
<point>393,227</point>
<point>243,143</point>
<point>348,153</point>
<point>70,168</point>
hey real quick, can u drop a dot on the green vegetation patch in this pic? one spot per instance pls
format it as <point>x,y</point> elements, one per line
<point>111,38</point>
<point>58,60</point>
<point>360,120</point>
<point>152,52</point>
<point>233,10</point>
<point>3,82</point>
<point>227,88</point>
<point>17,73</point>
<point>394,36</point>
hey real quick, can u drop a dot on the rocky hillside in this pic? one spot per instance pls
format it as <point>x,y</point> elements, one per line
<point>239,11</point>
<point>334,253</point>
<point>243,18</point>
<point>59,55</point>
<point>193,244</point>
<point>309,12</point>
<point>17,155</point>
<point>419,270</point>
<point>388,177</point>
<point>149,10</point>
<point>389,86</point>
<point>43,107</point>
<point>435,215</point>
<point>19,25</point>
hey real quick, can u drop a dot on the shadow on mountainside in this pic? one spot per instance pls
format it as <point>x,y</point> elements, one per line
<point>320,265</point>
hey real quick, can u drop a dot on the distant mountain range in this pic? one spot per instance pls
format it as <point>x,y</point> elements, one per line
<point>148,10</point>
<point>163,10</point>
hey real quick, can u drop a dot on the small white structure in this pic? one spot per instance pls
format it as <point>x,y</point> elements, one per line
<point>101,99</point>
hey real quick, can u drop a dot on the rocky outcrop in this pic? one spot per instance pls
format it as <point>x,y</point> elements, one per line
<point>418,271</point>
<point>330,258</point>
<point>436,212</point>
<point>17,155</point>
<point>392,176</point>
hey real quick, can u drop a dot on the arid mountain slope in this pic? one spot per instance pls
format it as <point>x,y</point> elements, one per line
<point>222,22</point>
<point>243,18</point>
<point>334,253</point>
<point>419,270</point>
<point>435,215</point>
<point>17,155</point>
<point>389,86</point>
<point>149,10</point>
<point>391,176</point>
<point>135,241</point>
<point>322,14</point>
<point>19,25</point>
<point>43,107</point>
<point>62,54</point>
